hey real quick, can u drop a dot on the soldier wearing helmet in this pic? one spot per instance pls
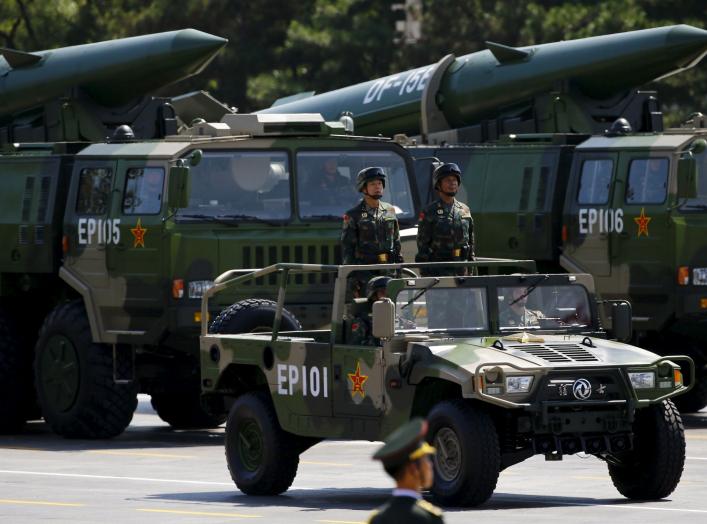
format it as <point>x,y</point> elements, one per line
<point>445,229</point>
<point>361,324</point>
<point>370,234</point>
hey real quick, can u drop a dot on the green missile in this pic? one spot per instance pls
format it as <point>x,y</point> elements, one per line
<point>111,73</point>
<point>461,91</point>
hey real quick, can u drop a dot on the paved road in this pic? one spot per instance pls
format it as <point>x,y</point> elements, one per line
<point>154,474</point>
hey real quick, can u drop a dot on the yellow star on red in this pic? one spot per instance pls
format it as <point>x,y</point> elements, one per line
<point>357,381</point>
<point>139,233</point>
<point>642,222</point>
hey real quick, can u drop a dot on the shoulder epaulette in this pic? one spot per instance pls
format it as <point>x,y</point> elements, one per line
<point>430,508</point>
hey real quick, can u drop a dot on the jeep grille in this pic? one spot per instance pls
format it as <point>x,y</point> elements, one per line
<point>556,352</point>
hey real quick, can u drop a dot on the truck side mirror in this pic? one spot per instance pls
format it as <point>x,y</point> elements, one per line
<point>383,318</point>
<point>178,196</point>
<point>687,178</point>
<point>622,320</point>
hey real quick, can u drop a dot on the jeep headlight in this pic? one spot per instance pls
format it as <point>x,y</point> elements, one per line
<point>642,379</point>
<point>519,383</point>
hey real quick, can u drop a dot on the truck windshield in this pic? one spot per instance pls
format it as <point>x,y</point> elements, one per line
<point>543,307</point>
<point>240,185</point>
<point>326,181</point>
<point>698,204</point>
<point>440,308</point>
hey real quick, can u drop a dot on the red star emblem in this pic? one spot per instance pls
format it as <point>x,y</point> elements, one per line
<point>642,222</point>
<point>357,381</point>
<point>139,233</point>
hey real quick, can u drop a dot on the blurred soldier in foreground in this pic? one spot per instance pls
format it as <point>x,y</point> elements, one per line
<point>370,234</point>
<point>407,458</point>
<point>445,231</point>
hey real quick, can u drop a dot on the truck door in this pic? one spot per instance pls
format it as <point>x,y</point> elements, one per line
<point>135,262</point>
<point>590,215</point>
<point>644,251</point>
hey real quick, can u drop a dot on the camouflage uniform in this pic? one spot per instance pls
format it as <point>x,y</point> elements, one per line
<point>528,318</point>
<point>371,235</point>
<point>361,329</point>
<point>445,233</point>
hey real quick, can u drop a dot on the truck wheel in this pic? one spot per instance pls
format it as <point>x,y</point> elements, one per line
<point>468,461</point>
<point>18,402</point>
<point>695,399</point>
<point>183,410</point>
<point>261,456</point>
<point>652,469</point>
<point>74,378</point>
<point>252,315</point>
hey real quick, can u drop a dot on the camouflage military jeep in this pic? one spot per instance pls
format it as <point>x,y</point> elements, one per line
<point>503,366</point>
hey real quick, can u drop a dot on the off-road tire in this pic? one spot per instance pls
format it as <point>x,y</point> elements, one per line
<point>262,458</point>
<point>252,315</point>
<point>74,378</point>
<point>183,410</point>
<point>695,399</point>
<point>468,461</point>
<point>652,469</point>
<point>18,402</point>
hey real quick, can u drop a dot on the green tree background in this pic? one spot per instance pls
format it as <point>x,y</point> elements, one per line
<point>278,48</point>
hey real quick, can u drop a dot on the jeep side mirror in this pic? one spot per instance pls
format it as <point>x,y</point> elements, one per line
<point>687,178</point>
<point>622,320</point>
<point>178,196</point>
<point>383,318</point>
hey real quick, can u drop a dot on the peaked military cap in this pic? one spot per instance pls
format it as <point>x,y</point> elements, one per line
<point>405,444</point>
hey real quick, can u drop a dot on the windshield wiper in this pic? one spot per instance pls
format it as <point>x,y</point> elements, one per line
<point>422,292</point>
<point>210,218</point>
<point>529,289</point>
<point>249,217</point>
<point>695,206</point>
<point>326,217</point>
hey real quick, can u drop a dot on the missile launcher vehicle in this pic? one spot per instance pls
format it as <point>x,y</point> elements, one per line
<point>112,232</point>
<point>504,365</point>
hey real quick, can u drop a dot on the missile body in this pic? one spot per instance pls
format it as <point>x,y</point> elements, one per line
<point>475,86</point>
<point>111,73</point>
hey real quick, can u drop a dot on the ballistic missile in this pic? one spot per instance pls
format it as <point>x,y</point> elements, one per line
<point>111,73</point>
<point>459,91</point>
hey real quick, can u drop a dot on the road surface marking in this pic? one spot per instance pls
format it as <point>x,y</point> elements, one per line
<point>40,503</point>
<point>202,513</point>
<point>138,454</point>
<point>113,477</point>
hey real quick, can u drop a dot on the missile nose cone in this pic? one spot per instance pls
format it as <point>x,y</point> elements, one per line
<point>193,39</point>
<point>691,40</point>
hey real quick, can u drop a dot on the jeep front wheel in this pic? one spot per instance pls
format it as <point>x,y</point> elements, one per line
<point>467,462</point>
<point>74,379</point>
<point>262,458</point>
<point>652,469</point>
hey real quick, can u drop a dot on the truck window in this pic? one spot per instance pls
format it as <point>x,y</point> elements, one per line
<point>94,190</point>
<point>143,191</point>
<point>647,181</point>
<point>595,181</point>
<point>543,307</point>
<point>326,181</point>
<point>240,185</point>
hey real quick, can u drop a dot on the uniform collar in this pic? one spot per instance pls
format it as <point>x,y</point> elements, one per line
<point>400,492</point>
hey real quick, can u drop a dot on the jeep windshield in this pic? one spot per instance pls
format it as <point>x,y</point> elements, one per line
<point>239,186</point>
<point>442,309</point>
<point>326,182</point>
<point>538,306</point>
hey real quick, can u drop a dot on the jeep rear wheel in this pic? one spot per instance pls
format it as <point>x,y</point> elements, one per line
<point>74,379</point>
<point>652,469</point>
<point>252,315</point>
<point>262,458</point>
<point>467,462</point>
<point>18,401</point>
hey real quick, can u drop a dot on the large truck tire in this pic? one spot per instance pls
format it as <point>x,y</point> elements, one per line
<point>652,469</point>
<point>183,410</point>
<point>74,378</point>
<point>262,457</point>
<point>252,315</point>
<point>18,402</point>
<point>468,459</point>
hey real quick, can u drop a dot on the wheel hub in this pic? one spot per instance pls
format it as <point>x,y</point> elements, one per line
<point>59,373</point>
<point>448,459</point>
<point>250,445</point>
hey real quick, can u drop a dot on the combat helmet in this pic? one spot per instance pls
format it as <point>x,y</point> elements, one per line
<point>446,170</point>
<point>376,284</point>
<point>368,174</point>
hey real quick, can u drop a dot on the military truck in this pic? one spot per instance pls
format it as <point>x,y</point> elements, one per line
<point>627,208</point>
<point>111,245</point>
<point>495,390</point>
